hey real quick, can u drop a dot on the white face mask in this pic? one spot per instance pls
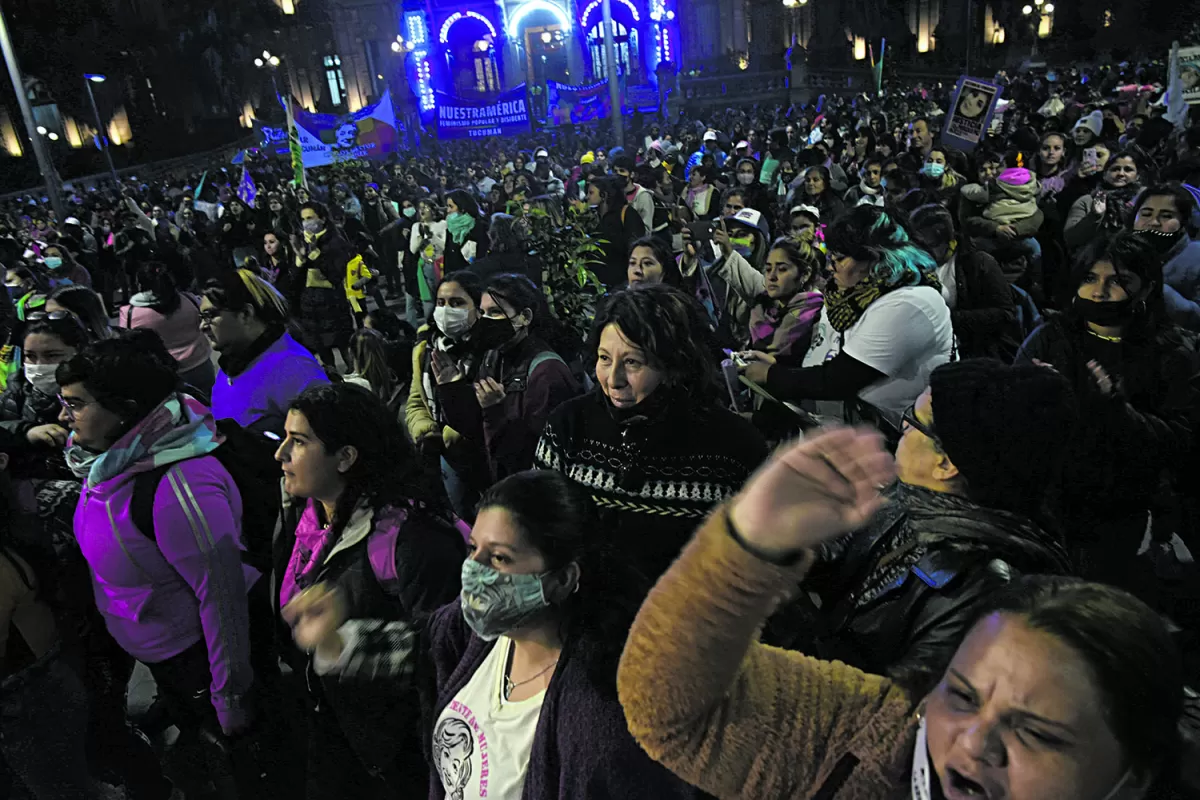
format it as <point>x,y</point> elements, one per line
<point>745,179</point>
<point>41,377</point>
<point>451,321</point>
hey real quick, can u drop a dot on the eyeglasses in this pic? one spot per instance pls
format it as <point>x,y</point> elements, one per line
<point>210,315</point>
<point>73,406</point>
<point>910,419</point>
<point>37,316</point>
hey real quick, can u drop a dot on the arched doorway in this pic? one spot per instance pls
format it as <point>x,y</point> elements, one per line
<point>541,32</point>
<point>626,50</point>
<point>468,40</point>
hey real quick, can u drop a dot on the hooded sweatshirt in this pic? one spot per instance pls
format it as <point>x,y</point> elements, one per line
<point>161,594</point>
<point>1012,197</point>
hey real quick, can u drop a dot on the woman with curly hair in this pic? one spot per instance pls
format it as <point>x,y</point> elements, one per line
<point>358,519</point>
<point>632,442</point>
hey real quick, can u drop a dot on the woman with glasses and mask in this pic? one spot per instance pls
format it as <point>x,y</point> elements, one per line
<point>518,378</point>
<point>1136,387</point>
<point>520,662</point>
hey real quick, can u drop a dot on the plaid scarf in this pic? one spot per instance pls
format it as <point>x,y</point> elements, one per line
<point>846,306</point>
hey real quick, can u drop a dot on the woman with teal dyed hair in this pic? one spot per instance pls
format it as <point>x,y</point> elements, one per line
<point>883,329</point>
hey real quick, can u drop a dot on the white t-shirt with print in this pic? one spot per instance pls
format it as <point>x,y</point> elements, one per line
<point>482,743</point>
<point>905,334</point>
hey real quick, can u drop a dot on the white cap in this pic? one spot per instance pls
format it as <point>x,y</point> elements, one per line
<point>811,211</point>
<point>541,151</point>
<point>710,136</point>
<point>70,221</point>
<point>742,144</point>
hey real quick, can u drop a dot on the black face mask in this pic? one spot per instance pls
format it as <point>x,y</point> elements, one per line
<point>491,333</point>
<point>1161,243</point>
<point>1107,314</point>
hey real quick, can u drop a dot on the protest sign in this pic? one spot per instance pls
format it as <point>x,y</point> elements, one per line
<point>570,104</point>
<point>505,115</point>
<point>970,113</point>
<point>329,139</point>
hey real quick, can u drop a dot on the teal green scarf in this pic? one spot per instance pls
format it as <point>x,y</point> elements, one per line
<point>460,225</point>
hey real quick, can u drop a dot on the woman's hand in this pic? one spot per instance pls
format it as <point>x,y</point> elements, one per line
<point>757,365</point>
<point>489,392</point>
<point>315,616</point>
<point>445,368</point>
<point>813,491</point>
<point>1101,378</point>
<point>1099,204</point>
<point>1007,231</point>
<point>51,435</point>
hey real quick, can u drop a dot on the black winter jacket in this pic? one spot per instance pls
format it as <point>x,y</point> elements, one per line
<point>897,597</point>
<point>1125,440</point>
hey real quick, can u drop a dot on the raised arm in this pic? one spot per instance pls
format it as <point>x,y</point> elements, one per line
<point>729,715</point>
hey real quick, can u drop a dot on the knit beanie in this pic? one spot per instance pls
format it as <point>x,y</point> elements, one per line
<point>1017,176</point>
<point>1093,122</point>
<point>587,158</point>
<point>1004,427</point>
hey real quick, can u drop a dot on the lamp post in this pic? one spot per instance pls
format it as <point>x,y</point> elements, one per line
<point>39,149</point>
<point>88,79</point>
<point>270,63</point>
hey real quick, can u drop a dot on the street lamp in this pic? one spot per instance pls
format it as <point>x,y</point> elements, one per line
<point>89,79</point>
<point>1027,10</point>
<point>268,61</point>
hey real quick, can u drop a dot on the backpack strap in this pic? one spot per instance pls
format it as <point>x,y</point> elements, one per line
<point>541,358</point>
<point>141,504</point>
<point>129,317</point>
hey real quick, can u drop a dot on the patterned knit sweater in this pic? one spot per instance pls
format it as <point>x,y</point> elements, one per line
<point>652,479</point>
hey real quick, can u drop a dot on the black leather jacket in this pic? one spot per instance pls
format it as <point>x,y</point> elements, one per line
<point>897,597</point>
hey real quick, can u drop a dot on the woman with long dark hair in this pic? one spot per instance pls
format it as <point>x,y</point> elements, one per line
<point>159,306</point>
<point>1110,207</point>
<point>521,375</point>
<point>1135,384</point>
<point>528,652</point>
<point>360,519</point>
<point>466,231</point>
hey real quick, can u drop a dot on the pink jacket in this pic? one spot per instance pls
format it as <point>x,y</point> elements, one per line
<point>160,598</point>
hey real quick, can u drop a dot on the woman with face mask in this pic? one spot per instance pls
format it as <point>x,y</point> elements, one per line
<point>746,175</point>
<point>325,312</point>
<point>520,374</point>
<point>527,653</point>
<point>427,243</point>
<point>443,352</point>
<point>29,406</point>
<point>62,267</point>
<point>1136,390</point>
<point>1164,214</point>
<point>939,176</point>
<point>1060,689</point>
<point>360,521</point>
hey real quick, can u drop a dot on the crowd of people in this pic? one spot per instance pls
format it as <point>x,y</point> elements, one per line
<point>777,453</point>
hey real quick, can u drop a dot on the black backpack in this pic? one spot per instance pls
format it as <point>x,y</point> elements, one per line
<point>250,460</point>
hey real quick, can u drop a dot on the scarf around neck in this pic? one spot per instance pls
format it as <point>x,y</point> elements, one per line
<point>460,226</point>
<point>846,306</point>
<point>179,428</point>
<point>776,326</point>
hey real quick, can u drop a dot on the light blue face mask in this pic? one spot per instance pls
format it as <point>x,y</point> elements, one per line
<point>53,262</point>
<point>933,169</point>
<point>495,602</point>
<point>410,212</point>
